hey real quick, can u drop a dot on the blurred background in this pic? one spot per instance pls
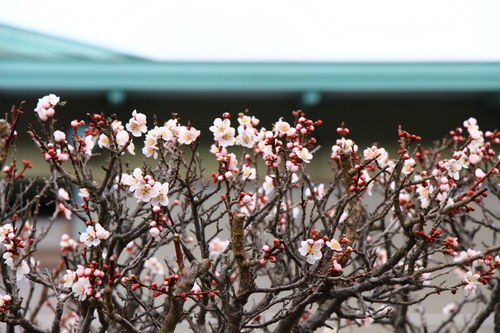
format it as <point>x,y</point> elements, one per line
<point>424,65</point>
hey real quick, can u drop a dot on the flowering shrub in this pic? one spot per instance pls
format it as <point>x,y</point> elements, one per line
<point>256,244</point>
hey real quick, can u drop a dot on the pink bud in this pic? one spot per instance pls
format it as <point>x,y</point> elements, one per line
<point>154,232</point>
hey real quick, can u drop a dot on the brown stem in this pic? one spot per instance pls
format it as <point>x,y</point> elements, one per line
<point>351,222</point>
<point>247,284</point>
<point>185,284</point>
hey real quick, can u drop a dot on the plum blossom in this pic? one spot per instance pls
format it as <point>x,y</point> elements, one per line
<point>134,180</point>
<point>5,230</point>
<point>343,144</point>
<point>217,246</point>
<point>224,134</point>
<point>226,139</point>
<point>220,126</point>
<point>100,232</point>
<point>59,136</point>
<point>67,243</point>
<point>45,106</point>
<point>449,308</point>
<point>248,173</point>
<point>94,235</point>
<point>479,173</point>
<point>268,185</point>
<point>82,288</point>
<point>408,166</point>
<point>319,191</point>
<point>336,266</point>
<point>474,158</point>
<point>381,257</point>
<point>375,152</point>
<point>162,197</point>
<point>21,270</point>
<point>334,245</point>
<point>155,265</point>
<point>187,136</point>
<point>103,141</point>
<point>63,194</point>
<point>469,254</point>
<point>303,154</point>
<point>69,278</point>
<point>122,138</point>
<point>424,194</point>
<point>89,144</point>
<point>145,192</point>
<point>453,167</point>
<point>244,140</point>
<point>471,280</point>
<point>137,124</point>
<point>311,250</point>
<point>63,209</point>
<point>283,128</point>
<point>154,232</point>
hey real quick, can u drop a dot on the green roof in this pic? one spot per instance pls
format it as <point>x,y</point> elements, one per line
<point>21,45</point>
<point>34,61</point>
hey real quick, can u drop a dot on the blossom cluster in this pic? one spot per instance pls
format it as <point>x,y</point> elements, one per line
<point>13,254</point>
<point>419,223</point>
<point>312,250</point>
<point>170,133</point>
<point>145,188</point>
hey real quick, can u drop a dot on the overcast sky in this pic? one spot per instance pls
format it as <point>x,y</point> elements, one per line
<point>273,30</point>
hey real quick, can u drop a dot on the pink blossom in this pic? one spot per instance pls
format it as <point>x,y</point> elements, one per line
<point>155,265</point>
<point>474,159</point>
<point>93,236</point>
<point>453,166</point>
<point>248,173</point>
<point>154,232</point>
<point>100,232</point>
<point>145,192</point>
<point>479,173</point>
<point>408,166</point>
<point>217,246</point>
<point>162,197</point>
<point>334,245</point>
<point>59,136</point>
<point>82,288</point>
<point>63,194</point>
<point>336,266</point>
<point>137,124</point>
<point>311,250</point>
<point>187,136</point>
<point>21,270</point>
<point>283,128</point>
<point>68,278</point>
<point>449,308</point>
<point>45,106</point>
<point>89,144</point>
<point>303,154</point>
